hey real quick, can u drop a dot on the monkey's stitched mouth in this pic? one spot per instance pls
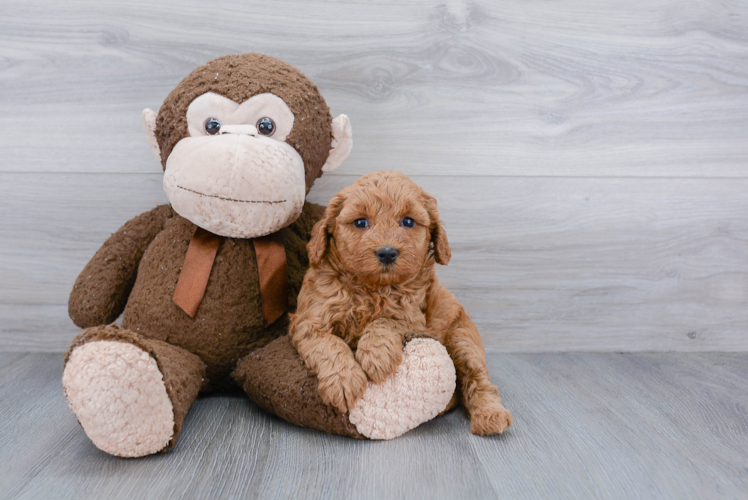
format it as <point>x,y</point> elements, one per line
<point>229,199</point>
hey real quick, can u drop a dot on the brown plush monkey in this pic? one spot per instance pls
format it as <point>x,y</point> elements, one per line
<point>207,280</point>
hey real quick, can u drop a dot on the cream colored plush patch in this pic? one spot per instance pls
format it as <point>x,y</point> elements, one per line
<point>416,393</point>
<point>149,123</point>
<point>228,112</point>
<point>342,143</point>
<point>117,392</point>
<point>235,185</point>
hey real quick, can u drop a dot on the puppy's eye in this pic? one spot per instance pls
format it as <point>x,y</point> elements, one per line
<point>361,223</point>
<point>407,222</point>
<point>266,126</point>
<point>212,126</point>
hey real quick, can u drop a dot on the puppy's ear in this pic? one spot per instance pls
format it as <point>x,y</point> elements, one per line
<point>439,242</point>
<point>322,230</point>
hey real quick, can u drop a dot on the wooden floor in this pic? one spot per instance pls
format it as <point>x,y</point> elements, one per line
<point>586,426</point>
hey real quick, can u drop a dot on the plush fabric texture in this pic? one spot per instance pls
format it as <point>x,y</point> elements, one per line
<point>229,322</point>
<point>101,290</point>
<point>254,186</point>
<point>420,389</point>
<point>342,143</point>
<point>239,77</point>
<point>247,114</point>
<point>91,378</point>
<point>276,380</point>
<point>118,394</point>
<point>149,124</point>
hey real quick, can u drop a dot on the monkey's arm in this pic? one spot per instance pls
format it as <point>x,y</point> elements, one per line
<point>102,288</point>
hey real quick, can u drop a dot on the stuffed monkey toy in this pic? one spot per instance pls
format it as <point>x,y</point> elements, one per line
<point>206,282</point>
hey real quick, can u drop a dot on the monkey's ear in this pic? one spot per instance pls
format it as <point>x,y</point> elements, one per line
<point>320,241</point>
<point>342,142</point>
<point>149,122</point>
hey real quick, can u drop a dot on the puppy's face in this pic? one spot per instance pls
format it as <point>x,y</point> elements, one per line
<point>381,238</point>
<point>384,229</point>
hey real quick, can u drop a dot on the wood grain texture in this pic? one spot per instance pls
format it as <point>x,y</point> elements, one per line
<point>636,88</point>
<point>585,426</point>
<point>540,264</point>
<point>590,159</point>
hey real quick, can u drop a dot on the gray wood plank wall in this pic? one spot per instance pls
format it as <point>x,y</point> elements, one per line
<point>590,158</point>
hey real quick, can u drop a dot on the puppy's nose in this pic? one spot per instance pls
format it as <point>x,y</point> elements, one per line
<point>386,255</point>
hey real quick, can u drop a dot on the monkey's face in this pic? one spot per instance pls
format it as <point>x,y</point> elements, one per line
<point>235,175</point>
<point>241,141</point>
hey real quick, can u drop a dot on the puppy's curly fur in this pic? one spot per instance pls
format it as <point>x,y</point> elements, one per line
<point>353,300</point>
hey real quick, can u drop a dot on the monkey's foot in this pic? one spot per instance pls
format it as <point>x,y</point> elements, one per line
<point>418,391</point>
<point>118,394</point>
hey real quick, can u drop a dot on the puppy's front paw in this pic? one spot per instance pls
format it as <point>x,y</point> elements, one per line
<point>343,388</point>
<point>379,362</point>
<point>491,418</point>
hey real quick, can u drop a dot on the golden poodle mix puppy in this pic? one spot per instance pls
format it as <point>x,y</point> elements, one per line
<point>371,284</point>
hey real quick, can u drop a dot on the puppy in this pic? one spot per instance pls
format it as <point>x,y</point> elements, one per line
<point>371,284</point>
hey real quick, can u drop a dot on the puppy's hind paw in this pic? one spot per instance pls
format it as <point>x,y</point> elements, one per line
<point>490,419</point>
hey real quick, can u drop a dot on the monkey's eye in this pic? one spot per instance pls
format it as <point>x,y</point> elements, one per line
<point>266,126</point>
<point>361,223</point>
<point>212,126</point>
<point>407,222</point>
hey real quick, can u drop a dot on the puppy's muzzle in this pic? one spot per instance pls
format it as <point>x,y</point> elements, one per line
<point>386,255</point>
